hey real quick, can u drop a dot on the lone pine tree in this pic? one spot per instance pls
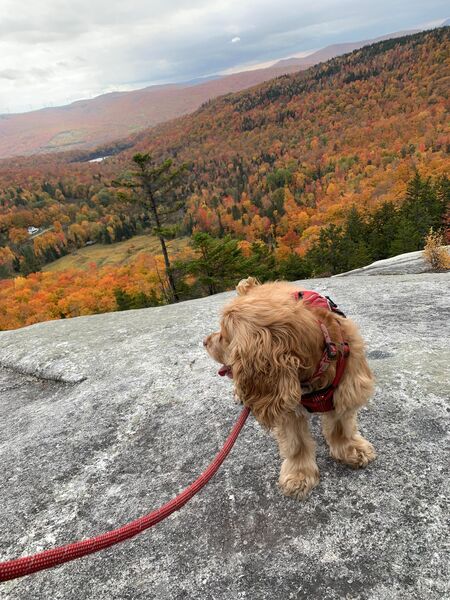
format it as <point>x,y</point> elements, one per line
<point>157,186</point>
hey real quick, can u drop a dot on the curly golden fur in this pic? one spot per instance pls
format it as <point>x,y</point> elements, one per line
<point>270,342</point>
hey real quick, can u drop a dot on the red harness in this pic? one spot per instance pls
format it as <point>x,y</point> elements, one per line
<point>322,400</point>
<point>318,301</point>
<point>319,400</point>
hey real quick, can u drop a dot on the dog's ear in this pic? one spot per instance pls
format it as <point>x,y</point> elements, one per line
<point>265,366</point>
<point>245,285</point>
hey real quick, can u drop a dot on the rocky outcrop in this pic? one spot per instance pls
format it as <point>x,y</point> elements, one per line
<point>104,418</point>
<point>402,264</point>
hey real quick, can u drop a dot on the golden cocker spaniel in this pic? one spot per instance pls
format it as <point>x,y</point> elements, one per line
<point>269,342</point>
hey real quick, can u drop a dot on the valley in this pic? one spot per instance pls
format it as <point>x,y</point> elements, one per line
<point>309,174</point>
<point>117,254</point>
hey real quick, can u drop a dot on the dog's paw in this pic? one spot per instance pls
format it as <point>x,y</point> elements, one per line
<point>298,484</point>
<point>236,398</point>
<point>245,285</point>
<point>357,453</point>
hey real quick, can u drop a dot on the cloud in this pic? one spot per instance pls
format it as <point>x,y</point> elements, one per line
<point>10,74</point>
<point>56,52</point>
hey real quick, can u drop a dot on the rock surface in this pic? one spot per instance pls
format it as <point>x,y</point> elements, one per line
<point>104,418</point>
<point>402,264</point>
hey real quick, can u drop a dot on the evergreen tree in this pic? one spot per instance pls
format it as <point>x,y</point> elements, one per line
<point>359,255</point>
<point>328,255</point>
<point>407,239</point>
<point>157,184</point>
<point>29,263</point>
<point>355,240</point>
<point>415,213</point>
<point>219,264</point>
<point>127,301</point>
<point>294,267</point>
<point>382,229</point>
<point>279,179</point>
<point>262,263</point>
<point>235,212</point>
<point>355,228</point>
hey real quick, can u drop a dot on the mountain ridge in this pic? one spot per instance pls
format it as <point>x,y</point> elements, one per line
<point>274,166</point>
<point>87,123</point>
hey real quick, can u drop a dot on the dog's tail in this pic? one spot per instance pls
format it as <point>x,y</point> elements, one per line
<point>245,285</point>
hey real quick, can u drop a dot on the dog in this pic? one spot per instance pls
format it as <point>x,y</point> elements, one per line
<point>270,343</point>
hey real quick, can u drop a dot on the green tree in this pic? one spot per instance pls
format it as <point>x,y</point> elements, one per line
<point>261,263</point>
<point>29,263</point>
<point>274,211</point>
<point>328,255</point>
<point>407,238</point>
<point>424,208</point>
<point>355,240</point>
<point>279,179</point>
<point>358,255</point>
<point>156,186</point>
<point>382,229</point>
<point>355,228</point>
<point>219,264</point>
<point>294,267</point>
<point>126,300</point>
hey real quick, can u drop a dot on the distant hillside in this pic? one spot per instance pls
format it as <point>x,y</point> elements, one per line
<point>294,153</point>
<point>339,49</point>
<point>87,123</point>
<point>273,164</point>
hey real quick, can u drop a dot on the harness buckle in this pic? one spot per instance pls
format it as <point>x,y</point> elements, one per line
<point>331,303</point>
<point>334,307</point>
<point>331,350</point>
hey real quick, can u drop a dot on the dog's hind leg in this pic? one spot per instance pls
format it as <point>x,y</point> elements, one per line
<point>299,473</point>
<point>346,443</point>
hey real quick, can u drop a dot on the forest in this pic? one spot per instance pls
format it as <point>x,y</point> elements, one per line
<point>309,174</point>
<point>215,264</point>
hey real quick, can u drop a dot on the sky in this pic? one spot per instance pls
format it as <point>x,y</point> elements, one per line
<point>53,52</point>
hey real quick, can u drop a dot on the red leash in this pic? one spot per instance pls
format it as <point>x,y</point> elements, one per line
<point>50,558</point>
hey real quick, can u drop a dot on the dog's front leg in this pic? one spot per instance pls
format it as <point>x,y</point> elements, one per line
<point>346,443</point>
<point>299,473</point>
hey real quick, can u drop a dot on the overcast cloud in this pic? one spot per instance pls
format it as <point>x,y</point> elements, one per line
<point>56,51</point>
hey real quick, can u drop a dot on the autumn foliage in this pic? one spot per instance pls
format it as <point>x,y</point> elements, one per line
<point>279,166</point>
<point>281,159</point>
<point>214,264</point>
<point>435,252</point>
<point>44,296</point>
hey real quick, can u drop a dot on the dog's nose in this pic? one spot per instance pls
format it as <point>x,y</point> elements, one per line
<point>205,342</point>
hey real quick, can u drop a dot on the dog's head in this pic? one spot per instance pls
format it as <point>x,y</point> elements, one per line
<point>261,346</point>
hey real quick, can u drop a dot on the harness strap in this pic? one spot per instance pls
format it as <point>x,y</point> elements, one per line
<point>329,355</point>
<point>316,300</point>
<point>322,400</point>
